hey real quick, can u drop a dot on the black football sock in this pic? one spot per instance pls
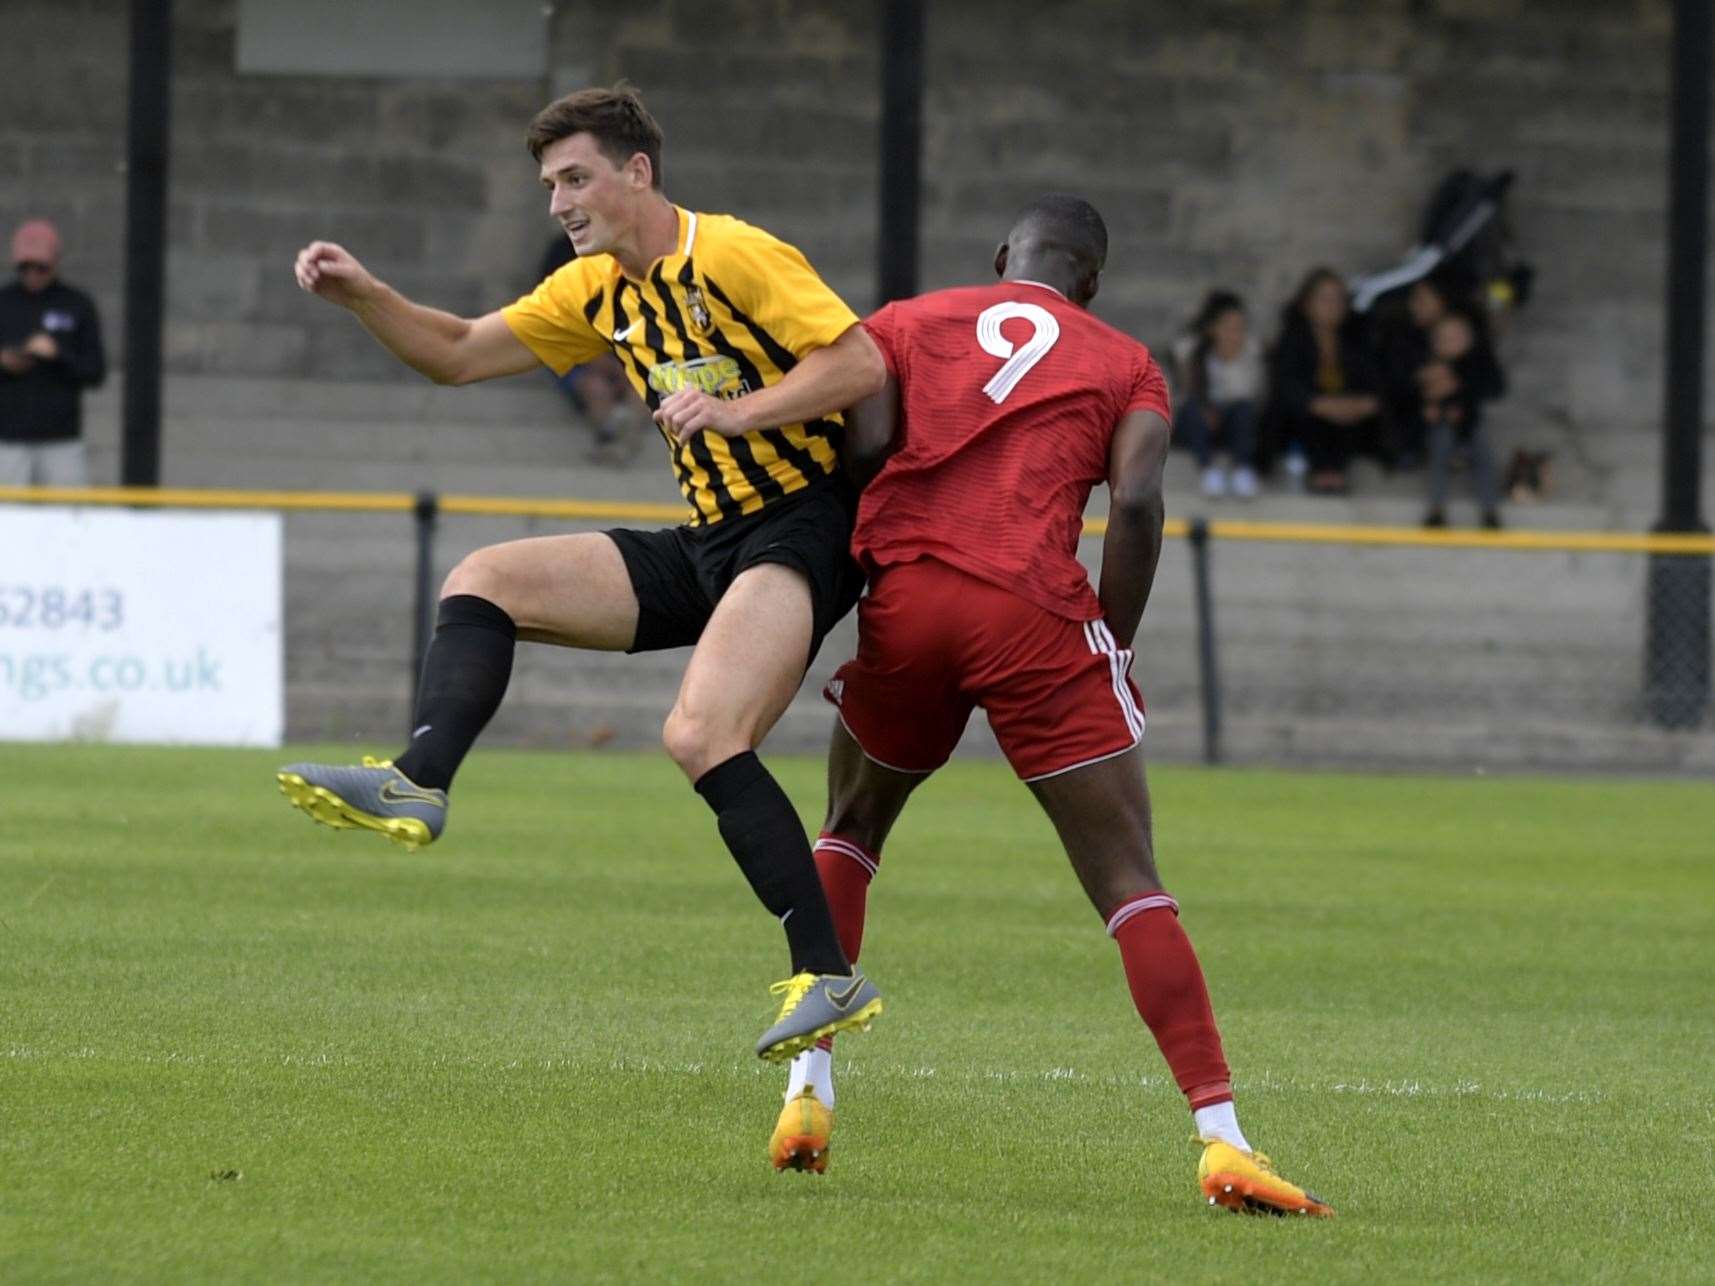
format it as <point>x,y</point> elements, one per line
<point>762,830</point>
<point>464,676</point>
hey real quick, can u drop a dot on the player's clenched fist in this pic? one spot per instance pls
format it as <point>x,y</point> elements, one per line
<point>689,411</point>
<point>333,272</point>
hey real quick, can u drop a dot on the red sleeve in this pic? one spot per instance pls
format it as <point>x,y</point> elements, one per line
<point>883,328</point>
<point>1149,390</point>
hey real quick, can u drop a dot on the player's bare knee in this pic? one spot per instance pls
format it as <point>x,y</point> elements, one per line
<point>478,574</point>
<point>1122,887</point>
<point>851,818</point>
<point>698,744</point>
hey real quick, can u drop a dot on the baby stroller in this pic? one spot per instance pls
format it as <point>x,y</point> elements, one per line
<point>1464,237</point>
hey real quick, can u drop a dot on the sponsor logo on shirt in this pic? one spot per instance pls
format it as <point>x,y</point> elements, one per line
<point>56,322</point>
<point>717,376</point>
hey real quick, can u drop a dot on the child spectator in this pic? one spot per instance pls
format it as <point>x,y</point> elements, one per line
<point>1404,350</point>
<point>1452,385</point>
<point>1325,382</point>
<point>597,391</point>
<point>1220,368</point>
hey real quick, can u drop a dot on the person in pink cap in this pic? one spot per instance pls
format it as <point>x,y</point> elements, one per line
<point>50,351</point>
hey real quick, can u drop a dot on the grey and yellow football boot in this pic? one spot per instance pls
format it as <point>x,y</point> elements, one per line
<point>374,797</point>
<point>817,1005</point>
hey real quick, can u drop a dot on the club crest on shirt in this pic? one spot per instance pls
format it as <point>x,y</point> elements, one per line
<point>698,308</point>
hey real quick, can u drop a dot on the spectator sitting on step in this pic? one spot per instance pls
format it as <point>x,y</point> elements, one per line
<point>597,391</point>
<point>1405,350</point>
<point>1460,375</point>
<point>1325,383</point>
<point>1219,367</point>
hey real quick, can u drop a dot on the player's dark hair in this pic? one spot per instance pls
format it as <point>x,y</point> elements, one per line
<point>616,118</point>
<point>1069,225</point>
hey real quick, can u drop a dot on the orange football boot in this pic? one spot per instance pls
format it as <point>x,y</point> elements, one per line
<point>1245,1182</point>
<point>800,1139</point>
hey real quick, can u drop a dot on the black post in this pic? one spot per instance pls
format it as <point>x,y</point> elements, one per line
<point>1207,668</point>
<point>901,148</point>
<point>427,508</point>
<point>146,239</point>
<point>1677,643</point>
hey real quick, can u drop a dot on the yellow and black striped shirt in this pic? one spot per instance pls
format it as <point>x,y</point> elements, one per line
<point>731,310</point>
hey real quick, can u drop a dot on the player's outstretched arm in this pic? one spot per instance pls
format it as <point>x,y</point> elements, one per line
<point>825,380</point>
<point>446,348</point>
<point>1132,548</point>
<point>871,426</point>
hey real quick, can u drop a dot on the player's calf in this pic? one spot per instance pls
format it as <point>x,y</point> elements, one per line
<point>766,839</point>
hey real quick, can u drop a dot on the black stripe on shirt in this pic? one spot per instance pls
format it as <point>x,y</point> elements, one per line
<point>620,320</point>
<point>650,398</point>
<point>725,502</point>
<point>796,456</point>
<point>775,351</point>
<point>754,471</point>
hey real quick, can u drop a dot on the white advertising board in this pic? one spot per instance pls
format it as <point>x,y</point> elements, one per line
<point>136,625</point>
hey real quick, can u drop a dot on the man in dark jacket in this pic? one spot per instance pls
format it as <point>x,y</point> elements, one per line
<point>50,351</point>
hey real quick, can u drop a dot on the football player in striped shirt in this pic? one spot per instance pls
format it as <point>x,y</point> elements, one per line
<point>1005,405</point>
<point>745,357</point>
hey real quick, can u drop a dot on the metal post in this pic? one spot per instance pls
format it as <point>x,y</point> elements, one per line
<point>901,148</point>
<point>1207,668</point>
<point>146,239</point>
<point>1677,642</point>
<point>426,510</point>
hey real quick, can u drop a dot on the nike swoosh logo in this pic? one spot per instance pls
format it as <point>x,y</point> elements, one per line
<point>620,336</point>
<point>844,999</point>
<point>392,794</point>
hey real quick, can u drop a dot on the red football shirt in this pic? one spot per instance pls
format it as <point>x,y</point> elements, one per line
<point>1009,398</point>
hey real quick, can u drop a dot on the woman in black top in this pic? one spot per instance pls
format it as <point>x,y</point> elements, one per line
<point>1325,382</point>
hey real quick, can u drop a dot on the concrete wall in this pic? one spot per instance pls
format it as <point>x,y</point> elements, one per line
<point>1228,141</point>
<point>1380,658</point>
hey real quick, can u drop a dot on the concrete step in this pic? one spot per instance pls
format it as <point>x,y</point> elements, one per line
<point>1329,654</point>
<point>511,480</point>
<point>516,436</point>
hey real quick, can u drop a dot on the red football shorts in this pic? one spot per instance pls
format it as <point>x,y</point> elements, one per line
<point>934,643</point>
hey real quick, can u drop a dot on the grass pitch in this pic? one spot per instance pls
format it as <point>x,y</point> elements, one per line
<point>1477,1015</point>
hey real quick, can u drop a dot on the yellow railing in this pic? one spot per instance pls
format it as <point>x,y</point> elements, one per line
<point>1599,542</point>
<point>346,501</point>
<point>1605,542</point>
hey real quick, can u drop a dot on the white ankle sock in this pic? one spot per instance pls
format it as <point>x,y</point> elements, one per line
<point>815,1068</point>
<point>1219,1121</point>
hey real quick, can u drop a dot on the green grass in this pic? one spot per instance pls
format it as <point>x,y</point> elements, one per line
<point>1477,1015</point>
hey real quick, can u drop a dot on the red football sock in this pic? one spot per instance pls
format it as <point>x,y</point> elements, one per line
<point>1168,989</point>
<point>846,870</point>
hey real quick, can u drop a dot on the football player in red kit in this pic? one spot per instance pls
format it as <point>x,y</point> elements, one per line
<point>1005,404</point>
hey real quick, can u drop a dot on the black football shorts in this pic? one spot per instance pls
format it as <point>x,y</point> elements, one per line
<point>680,574</point>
